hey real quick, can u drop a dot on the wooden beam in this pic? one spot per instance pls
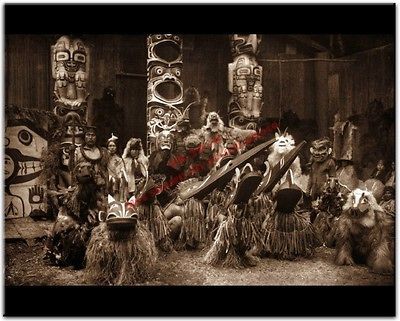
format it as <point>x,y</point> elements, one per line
<point>306,40</point>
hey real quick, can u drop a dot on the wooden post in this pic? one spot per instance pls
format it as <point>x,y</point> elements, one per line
<point>321,94</point>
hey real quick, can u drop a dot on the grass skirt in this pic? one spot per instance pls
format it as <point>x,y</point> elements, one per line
<point>193,231</point>
<point>215,207</point>
<point>289,235</point>
<point>152,216</point>
<point>119,262</point>
<point>235,237</point>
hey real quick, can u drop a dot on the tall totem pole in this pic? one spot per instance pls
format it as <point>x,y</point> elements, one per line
<point>245,82</point>
<point>164,86</point>
<point>70,70</point>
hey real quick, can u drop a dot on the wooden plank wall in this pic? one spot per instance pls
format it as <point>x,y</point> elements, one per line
<point>28,71</point>
<point>291,85</point>
<point>369,77</point>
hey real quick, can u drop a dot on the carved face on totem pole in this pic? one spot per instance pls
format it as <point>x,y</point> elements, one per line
<point>321,149</point>
<point>70,69</point>
<point>245,44</point>
<point>245,82</point>
<point>164,88</point>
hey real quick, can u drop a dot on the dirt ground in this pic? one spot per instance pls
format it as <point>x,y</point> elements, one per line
<point>24,266</point>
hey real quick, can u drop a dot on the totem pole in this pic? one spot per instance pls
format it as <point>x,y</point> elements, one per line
<point>245,82</point>
<point>164,87</point>
<point>70,69</point>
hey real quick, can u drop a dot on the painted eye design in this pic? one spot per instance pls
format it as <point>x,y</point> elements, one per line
<point>7,141</point>
<point>158,37</point>
<point>240,120</point>
<point>81,112</point>
<point>62,56</point>
<point>80,46</point>
<point>25,137</point>
<point>243,71</point>
<point>80,57</point>
<point>176,38</point>
<point>364,201</point>
<point>177,72</point>
<point>65,151</point>
<point>159,112</point>
<point>62,111</point>
<point>159,71</point>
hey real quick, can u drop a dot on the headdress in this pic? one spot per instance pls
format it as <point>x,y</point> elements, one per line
<point>113,138</point>
<point>89,128</point>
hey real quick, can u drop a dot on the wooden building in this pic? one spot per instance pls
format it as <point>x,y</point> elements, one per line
<point>314,76</point>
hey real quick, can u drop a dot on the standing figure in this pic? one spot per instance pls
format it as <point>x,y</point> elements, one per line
<point>322,166</point>
<point>136,164</point>
<point>108,114</point>
<point>98,157</point>
<point>283,145</point>
<point>288,233</point>
<point>237,234</point>
<point>345,138</point>
<point>116,171</point>
<point>214,136</point>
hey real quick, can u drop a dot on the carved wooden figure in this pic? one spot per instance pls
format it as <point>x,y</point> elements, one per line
<point>245,82</point>
<point>70,69</point>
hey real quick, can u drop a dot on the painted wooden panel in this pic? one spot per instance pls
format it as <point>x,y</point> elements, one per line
<point>24,142</point>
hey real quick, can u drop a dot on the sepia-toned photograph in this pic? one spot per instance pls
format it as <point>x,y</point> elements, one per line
<point>199,159</point>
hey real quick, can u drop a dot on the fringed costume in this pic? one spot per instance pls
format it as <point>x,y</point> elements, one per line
<point>238,234</point>
<point>363,232</point>
<point>288,233</point>
<point>121,250</point>
<point>152,216</point>
<point>215,213</point>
